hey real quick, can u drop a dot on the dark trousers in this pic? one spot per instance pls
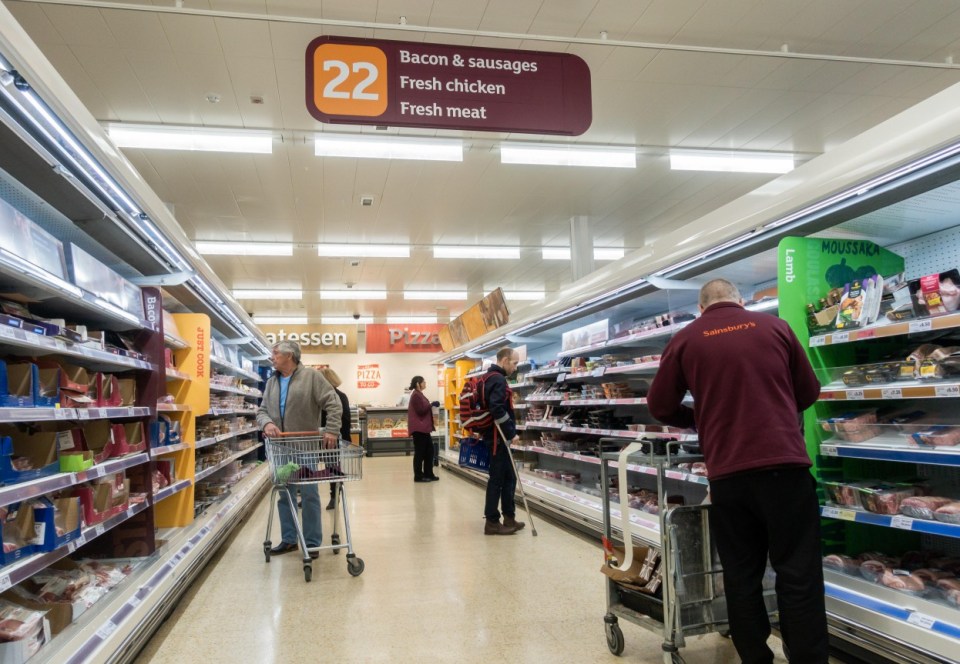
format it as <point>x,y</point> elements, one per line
<point>422,455</point>
<point>772,513</point>
<point>502,485</point>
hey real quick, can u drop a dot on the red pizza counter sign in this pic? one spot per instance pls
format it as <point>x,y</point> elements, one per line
<point>409,84</point>
<point>368,376</point>
<point>424,338</point>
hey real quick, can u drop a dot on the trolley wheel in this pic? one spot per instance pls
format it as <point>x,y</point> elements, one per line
<point>307,573</point>
<point>615,638</point>
<point>355,566</point>
<point>266,551</point>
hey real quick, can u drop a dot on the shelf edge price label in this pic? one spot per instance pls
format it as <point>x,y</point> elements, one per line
<point>919,326</point>
<point>831,512</point>
<point>901,522</point>
<point>948,390</point>
<point>892,393</point>
<point>5,582</point>
<point>854,394</point>
<point>847,515</point>
<point>829,450</point>
<point>816,342</point>
<point>100,530</point>
<point>841,337</point>
<point>106,630</point>
<point>921,620</point>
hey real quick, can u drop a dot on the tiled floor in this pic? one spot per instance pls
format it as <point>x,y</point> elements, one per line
<point>435,589</point>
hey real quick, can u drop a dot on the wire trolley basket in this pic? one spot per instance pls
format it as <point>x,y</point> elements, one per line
<point>301,459</point>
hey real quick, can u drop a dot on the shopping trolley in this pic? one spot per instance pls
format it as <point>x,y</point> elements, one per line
<point>298,459</point>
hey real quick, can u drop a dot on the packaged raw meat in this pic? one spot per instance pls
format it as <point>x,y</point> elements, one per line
<point>855,427</point>
<point>17,622</point>
<point>923,507</point>
<point>884,499</point>
<point>903,581</point>
<point>937,436</point>
<point>932,576</point>
<point>887,561</point>
<point>872,570</point>
<point>952,597</point>
<point>949,513</point>
<point>842,494</point>
<point>947,563</point>
<point>841,563</point>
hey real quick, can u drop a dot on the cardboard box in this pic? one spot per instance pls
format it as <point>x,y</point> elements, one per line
<point>49,516</point>
<point>18,652</point>
<point>129,437</point>
<point>47,388</point>
<point>96,502</point>
<point>39,447</point>
<point>18,530</point>
<point>17,384</point>
<point>128,391</point>
<point>97,437</point>
<point>634,577</point>
<point>76,461</point>
<point>59,614</point>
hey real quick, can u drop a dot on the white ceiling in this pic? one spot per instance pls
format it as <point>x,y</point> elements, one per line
<point>130,65</point>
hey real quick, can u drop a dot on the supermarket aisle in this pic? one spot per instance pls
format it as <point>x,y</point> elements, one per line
<point>434,590</point>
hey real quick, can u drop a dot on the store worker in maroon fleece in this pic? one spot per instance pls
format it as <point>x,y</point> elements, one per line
<point>750,379</point>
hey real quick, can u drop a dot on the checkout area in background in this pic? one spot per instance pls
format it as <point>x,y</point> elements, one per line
<point>376,363</point>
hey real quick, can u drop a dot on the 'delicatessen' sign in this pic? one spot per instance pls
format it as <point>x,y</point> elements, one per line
<point>409,84</point>
<point>404,338</point>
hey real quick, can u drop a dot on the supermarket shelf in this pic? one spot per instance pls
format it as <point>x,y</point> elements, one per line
<point>553,398</point>
<point>173,374</point>
<point>928,625</point>
<point>891,448</point>
<point>216,412</point>
<point>905,390</point>
<point>540,424</point>
<point>547,373</point>
<point>898,521</point>
<point>519,427</point>
<point>168,449</point>
<point>47,414</point>
<point>887,329</point>
<point>604,402</point>
<point>609,433</point>
<point>475,373</point>
<point>521,406</point>
<point>166,492</point>
<point>522,386</point>
<point>630,340</point>
<point>647,470</point>
<point>18,492</point>
<point>207,472</point>
<point>213,440</point>
<point>25,343</point>
<point>646,367</point>
<point>24,568</point>
<point>122,621</point>
<point>235,390</point>
<point>173,408</point>
<point>226,367</point>
<point>174,342</point>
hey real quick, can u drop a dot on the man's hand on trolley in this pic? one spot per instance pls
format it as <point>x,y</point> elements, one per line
<point>271,430</point>
<point>330,440</point>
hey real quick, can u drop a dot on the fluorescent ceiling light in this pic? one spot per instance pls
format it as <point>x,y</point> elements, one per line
<point>353,294</point>
<point>202,139</point>
<point>402,320</point>
<point>607,253</point>
<point>346,320</point>
<point>766,305</point>
<point>364,250</point>
<point>434,295</point>
<point>280,320</point>
<point>530,296</point>
<point>268,294</point>
<point>244,248</point>
<point>599,253</point>
<point>426,149</point>
<point>568,155</point>
<point>732,162</point>
<point>474,251</point>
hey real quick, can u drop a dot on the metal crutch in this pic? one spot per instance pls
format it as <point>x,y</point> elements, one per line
<point>523,495</point>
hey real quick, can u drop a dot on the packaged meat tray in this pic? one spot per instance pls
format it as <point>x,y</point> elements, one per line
<point>907,582</point>
<point>937,436</point>
<point>885,499</point>
<point>949,513</point>
<point>872,570</point>
<point>923,507</point>
<point>854,427</point>
<point>842,563</point>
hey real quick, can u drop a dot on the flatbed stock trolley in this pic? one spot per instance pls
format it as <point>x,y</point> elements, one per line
<point>690,600</point>
<point>299,459</point>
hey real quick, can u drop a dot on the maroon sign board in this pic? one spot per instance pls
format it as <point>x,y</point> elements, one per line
<point>410,84</point>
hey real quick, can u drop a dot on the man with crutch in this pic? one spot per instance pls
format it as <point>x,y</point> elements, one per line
<point>502,483</point>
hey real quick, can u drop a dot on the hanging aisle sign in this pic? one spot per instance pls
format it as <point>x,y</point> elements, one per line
<point>409,84</point>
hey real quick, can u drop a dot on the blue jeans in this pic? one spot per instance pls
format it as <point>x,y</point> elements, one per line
<point>311,524</point>
<point>502,484</point>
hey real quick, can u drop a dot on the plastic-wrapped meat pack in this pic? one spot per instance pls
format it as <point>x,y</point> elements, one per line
<point>937,436</point>
<point>841,563</point>
<point>18,623</point>
<point>949,513</point>
<point>903,581</point>
<point>923,507</point>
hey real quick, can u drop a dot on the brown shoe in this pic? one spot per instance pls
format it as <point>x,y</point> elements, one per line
<point>496,528</point>
<point>510,522</point>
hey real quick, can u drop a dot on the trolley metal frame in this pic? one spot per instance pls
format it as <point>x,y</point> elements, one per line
<point>298,459</point>
<point>692,598</point>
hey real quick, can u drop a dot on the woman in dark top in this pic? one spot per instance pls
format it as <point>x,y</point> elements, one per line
<point>420,424</point>
<point>335,382</point>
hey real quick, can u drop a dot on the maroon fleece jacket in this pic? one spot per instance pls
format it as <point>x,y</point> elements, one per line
<point>749,377</point>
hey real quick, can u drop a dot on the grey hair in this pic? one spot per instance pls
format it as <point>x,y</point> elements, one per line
<point>718,290</point>
<point>288,347</point>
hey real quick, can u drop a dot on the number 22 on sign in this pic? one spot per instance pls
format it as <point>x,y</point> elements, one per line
<point>350,80</point>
